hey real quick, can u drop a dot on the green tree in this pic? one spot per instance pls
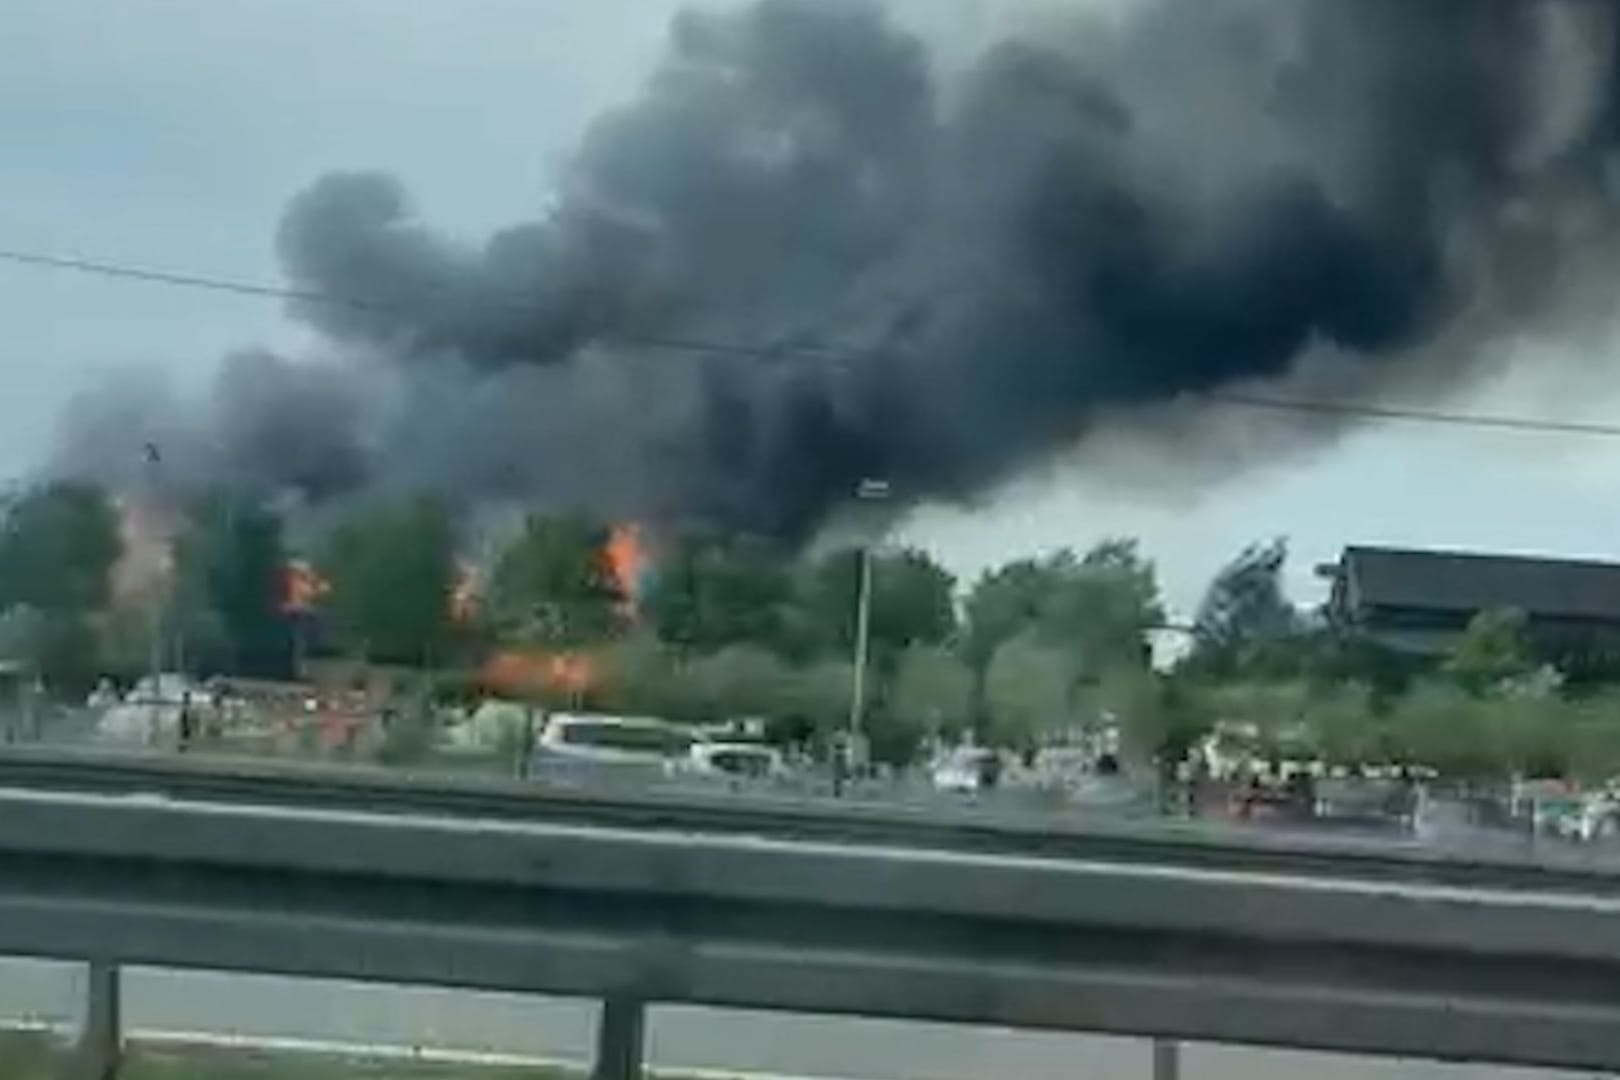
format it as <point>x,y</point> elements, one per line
<point>553,586</point>
<point>1445,728</point>
<point>713,589</point>
<point>230,588</point>
<point>123,641</point>
<point>1326,656</point>
<point>643,675</point>
<point>1002,604</point>
<point>893,737</point>
<point>912,602</point>
<point>1103,606</point>
<point>821,695</point>
<point>743,681</point>
<point>933,691</point>
<point>390,569</point>
<point>1160,718</point>
<point>1492,650</point>
<point>58,544</point>
<point>639,675</point>
<point>1534,734</point>
<point>1132,699</point>
<point>1594,736</point>
<point>1187,715</point>
<point>1274,710</point>
<point>1245,615</point>
<point>1098,607</point>
<point>60,645</point>
<point>1345,727</point>
<point>1028,692</point>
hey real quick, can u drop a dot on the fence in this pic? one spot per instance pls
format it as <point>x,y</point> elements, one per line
<point>1146,945</point>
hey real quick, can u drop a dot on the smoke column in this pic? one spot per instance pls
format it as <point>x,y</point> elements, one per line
<point>941,280</point>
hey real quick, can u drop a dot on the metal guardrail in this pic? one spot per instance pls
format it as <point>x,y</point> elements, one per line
<point>631,916</point>
<point>1073,832</point>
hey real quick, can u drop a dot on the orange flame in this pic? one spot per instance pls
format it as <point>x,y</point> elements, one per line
<point>627,560</point>
<point>520,673</point>
<point>302,587</point>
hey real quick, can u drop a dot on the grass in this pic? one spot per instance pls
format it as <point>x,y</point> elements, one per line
<point>27,1056</point>
<point>38,1057</point>
<point>152,1063</point>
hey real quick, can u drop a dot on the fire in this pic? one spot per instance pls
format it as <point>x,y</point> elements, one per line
<point>520,673</point>
<point>303,587</point>
<point>627,561</point>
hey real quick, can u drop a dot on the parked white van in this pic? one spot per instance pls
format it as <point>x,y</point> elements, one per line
<point>743,760</point>
<point>588,740</point>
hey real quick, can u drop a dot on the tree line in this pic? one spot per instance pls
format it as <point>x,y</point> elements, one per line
<point>727,626</point>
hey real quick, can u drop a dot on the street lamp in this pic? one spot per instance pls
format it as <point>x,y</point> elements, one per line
<point>869,490</point>
<point>153,460</point>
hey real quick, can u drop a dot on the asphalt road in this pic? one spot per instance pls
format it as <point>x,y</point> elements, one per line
<point>797,1046</point>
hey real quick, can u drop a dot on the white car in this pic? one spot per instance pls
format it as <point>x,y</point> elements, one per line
<point>139,723</point>
<point>168,688</point>
<point>586,744</point>
<point>738,759</point>
<point>1582,819</point>
<point>962,770</point>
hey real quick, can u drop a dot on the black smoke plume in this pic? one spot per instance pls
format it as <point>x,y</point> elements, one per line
<point>803,255</point>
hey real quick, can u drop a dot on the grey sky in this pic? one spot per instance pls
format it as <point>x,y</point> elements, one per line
<point>170,133</point>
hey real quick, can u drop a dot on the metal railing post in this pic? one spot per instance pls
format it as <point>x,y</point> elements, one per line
<point>100,1048</point>
<point>1166,1059</point>
<point>621,1035</point>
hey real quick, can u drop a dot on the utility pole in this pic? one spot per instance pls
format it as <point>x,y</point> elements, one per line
<point>160,612</point>
<point>868,491</point>
<point>863,624</point>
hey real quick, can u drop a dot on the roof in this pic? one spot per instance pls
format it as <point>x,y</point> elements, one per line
<point>1457,581</point>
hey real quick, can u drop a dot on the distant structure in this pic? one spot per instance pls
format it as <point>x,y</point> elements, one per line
<point>1418,602</point>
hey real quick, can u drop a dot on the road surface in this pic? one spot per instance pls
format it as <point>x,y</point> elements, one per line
<point>781,1045</point>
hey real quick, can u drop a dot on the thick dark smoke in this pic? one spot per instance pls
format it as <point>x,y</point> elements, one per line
<point>938,279</point>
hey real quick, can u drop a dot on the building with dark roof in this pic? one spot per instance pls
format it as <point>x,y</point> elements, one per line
<point>1420,601</point>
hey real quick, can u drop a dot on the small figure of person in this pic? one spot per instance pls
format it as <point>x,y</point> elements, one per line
<point>990,771</point>
<point>187,720</point>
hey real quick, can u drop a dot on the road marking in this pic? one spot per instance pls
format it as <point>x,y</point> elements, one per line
<point>330,1048</point>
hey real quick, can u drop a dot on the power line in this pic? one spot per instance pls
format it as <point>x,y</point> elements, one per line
<point>264,291</point>
<point>1425,416</point>
<point>261,290</point>
<point>185,281</point>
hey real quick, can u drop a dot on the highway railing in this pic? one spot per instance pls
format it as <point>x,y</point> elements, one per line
<point>630,916</point>
<point>961,824</point>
